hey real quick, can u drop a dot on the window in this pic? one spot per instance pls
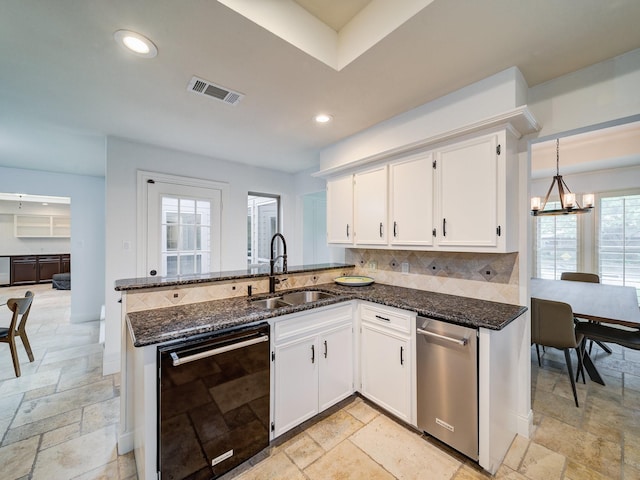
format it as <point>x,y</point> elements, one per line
<point>619,240</point>
<point>556,245</point>
<point>263,221</point>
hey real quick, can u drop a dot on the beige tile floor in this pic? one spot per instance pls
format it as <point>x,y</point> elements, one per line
<point>59,421</point>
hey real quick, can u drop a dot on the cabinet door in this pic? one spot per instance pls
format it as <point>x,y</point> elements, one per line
<point>336,365</point>
<point>467,190</point>
<point>24,270</point>
<point>296,383</point>
<point>411,195</point>
<point>370,206</point>
<point>47,267</point>
<point>385,369</point>
<point>340,210</point>
<point>65,264</point>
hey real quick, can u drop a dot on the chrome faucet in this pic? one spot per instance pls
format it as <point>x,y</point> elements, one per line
<point>272,261</point>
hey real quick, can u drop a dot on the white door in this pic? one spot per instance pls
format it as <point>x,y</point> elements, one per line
<point>340,210</point>
<point>336,365</point>
<point>296,383</point>
<point>385,365</point>
<point>411,185</point>
<point>183,229</point>
<point>468,176</point>
<point>370,206</point>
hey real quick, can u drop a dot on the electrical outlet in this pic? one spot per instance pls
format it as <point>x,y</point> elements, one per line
<point>405,267</point>
<point>373,265</point>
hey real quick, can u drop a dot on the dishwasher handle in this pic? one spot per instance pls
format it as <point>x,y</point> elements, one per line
<point>459,341</point>
<point>177,361</point>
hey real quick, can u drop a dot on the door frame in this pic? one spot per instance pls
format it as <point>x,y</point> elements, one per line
<point>142,177</point>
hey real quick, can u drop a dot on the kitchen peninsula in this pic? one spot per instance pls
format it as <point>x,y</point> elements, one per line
<point>218,303</point>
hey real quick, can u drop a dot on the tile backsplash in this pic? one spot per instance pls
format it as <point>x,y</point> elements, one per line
<point>488,276</point>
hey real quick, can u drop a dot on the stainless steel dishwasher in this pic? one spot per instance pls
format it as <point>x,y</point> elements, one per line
<point>447,369</point>
<point>213,403</point>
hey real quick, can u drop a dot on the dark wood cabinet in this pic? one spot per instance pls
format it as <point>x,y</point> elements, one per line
<point>24,270</point>
<point>65,263</point>
<point>47,267</point>
<point>38,268</point>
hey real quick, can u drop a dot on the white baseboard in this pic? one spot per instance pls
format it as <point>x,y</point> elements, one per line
<point>525,424</point>
<point>110,363</point>
<point>125,443</point>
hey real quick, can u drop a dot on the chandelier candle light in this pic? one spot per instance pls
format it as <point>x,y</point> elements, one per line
<point>568,202</point>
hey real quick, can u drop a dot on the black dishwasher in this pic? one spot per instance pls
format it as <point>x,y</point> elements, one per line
<point>213,403</point>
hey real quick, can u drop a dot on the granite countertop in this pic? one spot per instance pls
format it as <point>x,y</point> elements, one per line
<point>252,272</point>
<point>176,323</point>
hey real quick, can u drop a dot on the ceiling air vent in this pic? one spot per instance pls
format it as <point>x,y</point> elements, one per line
<point>203,87</point>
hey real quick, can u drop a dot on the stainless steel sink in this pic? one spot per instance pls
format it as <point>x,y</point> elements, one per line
<point>298,298</point>
<point>294,298</point>
<point>270,303</point>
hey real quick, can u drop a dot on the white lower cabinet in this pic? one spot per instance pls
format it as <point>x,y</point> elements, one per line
<point>313,364</point>
<point>387,359</point>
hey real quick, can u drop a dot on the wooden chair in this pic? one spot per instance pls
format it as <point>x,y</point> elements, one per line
<point>552,326</point>
<point>20,308</point>
<point>590,278</point>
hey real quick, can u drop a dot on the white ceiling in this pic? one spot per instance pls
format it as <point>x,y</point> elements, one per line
<point>65,84</point>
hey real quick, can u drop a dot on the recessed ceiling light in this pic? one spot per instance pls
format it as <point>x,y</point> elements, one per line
<point>323,118</point>
<point>136,43</point>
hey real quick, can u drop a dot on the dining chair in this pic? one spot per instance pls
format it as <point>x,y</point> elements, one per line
<point>20,308</point>
<point>589,278</point>
<point>580,277</point>
<point>552,325</point>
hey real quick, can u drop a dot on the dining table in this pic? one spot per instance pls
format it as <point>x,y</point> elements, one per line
<point>596,302</point>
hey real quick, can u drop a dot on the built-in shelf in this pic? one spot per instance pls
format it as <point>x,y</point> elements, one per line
<point>42,226</point>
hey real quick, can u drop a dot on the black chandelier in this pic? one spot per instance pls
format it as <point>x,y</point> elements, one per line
<point>568,202</point>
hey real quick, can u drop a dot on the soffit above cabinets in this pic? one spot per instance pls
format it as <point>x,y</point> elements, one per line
<point>519,121</point>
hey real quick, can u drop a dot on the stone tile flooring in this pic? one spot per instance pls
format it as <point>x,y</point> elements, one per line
<point>59,420</point>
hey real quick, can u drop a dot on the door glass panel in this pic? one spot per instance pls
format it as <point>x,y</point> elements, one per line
<point>185,235</point>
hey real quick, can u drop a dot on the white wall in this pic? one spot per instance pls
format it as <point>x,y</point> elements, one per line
<point>494,95</point>
<point>306,184</point>
<point>12,245</point>
<point>602,92</point>
<point>124,158</point>
<point>87,230</point>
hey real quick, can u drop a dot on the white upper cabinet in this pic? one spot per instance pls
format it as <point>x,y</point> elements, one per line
<point>472,179</point>
<point>340,210</point>
<point>467,187</point>
<point>411,201</point>
<point>370,207</point>
<point>458,197</point>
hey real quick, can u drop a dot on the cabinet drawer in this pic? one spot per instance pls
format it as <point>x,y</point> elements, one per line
<point>312,322</point>
<point>392,318</point>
